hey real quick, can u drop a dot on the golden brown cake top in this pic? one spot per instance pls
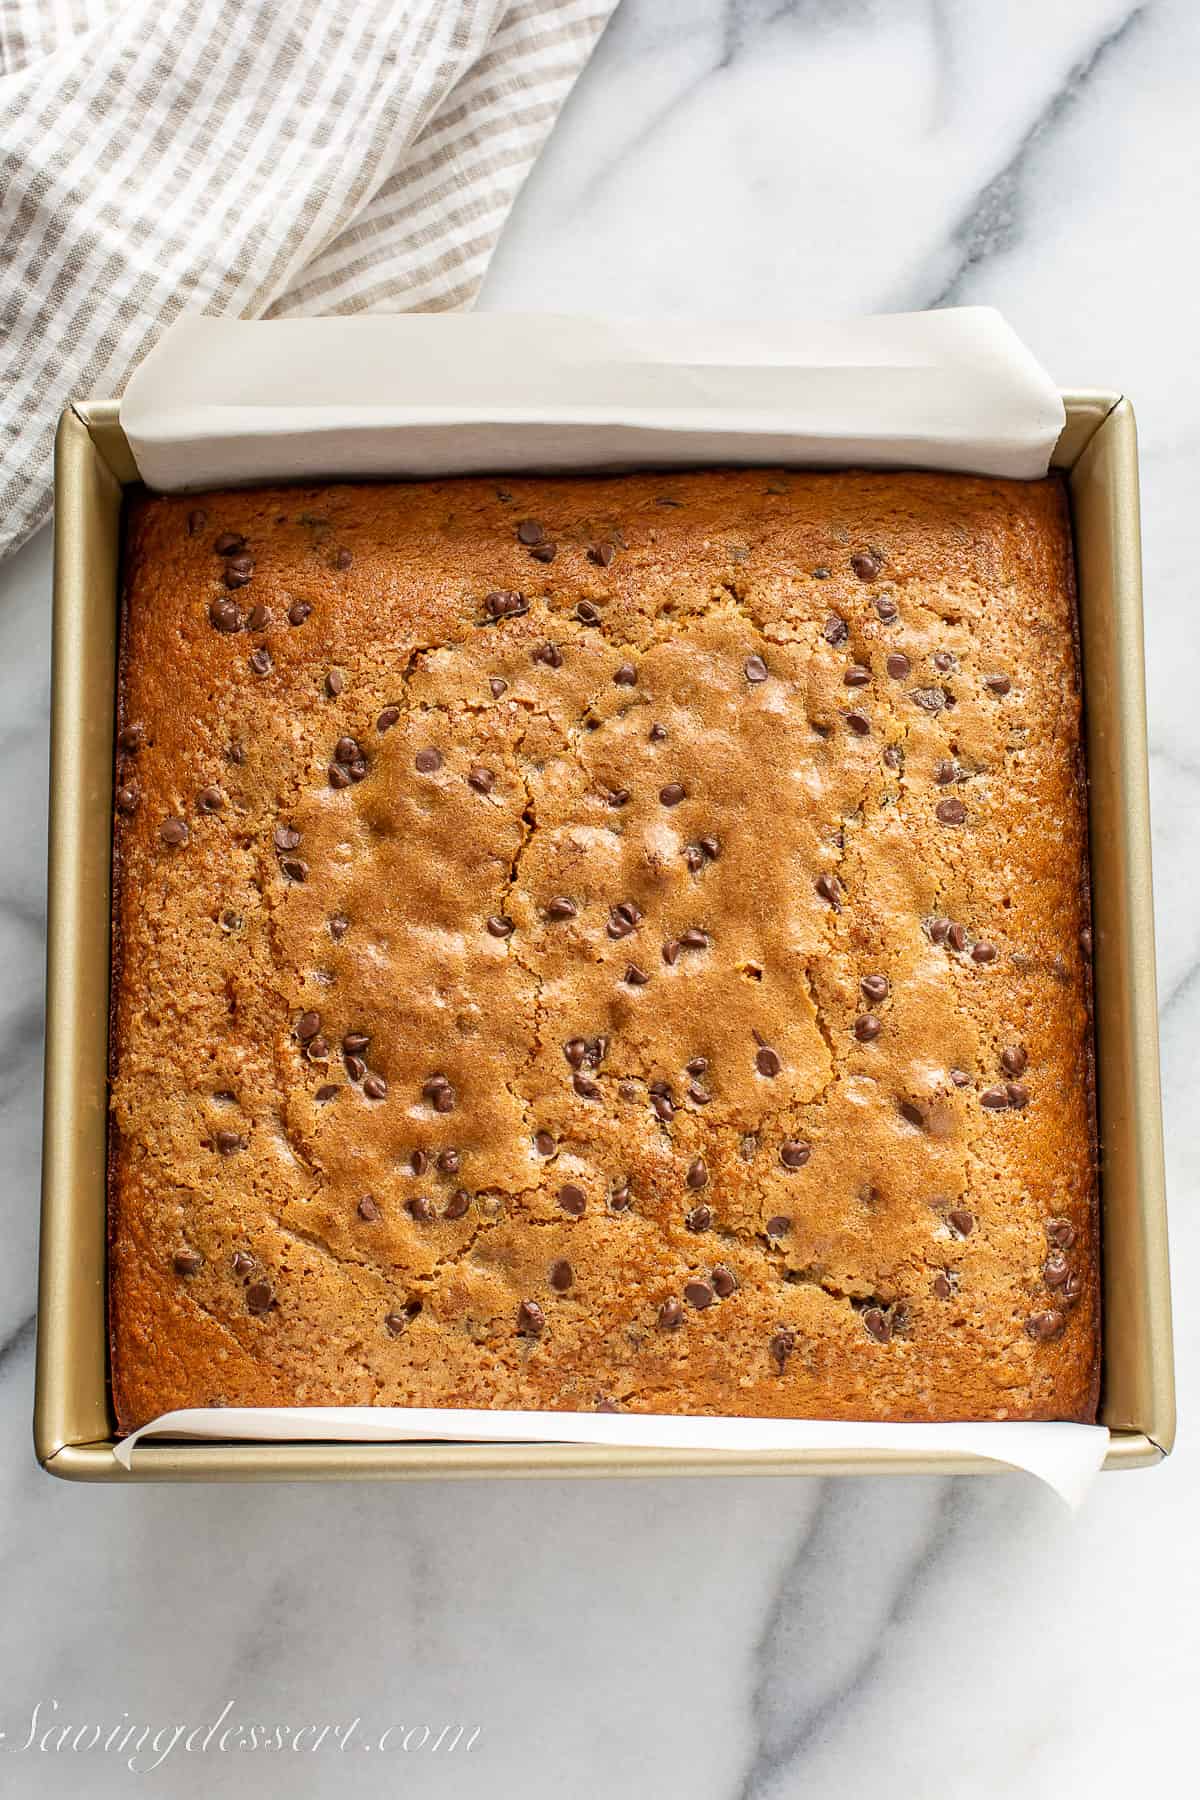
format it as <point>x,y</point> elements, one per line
<point>604,940</point>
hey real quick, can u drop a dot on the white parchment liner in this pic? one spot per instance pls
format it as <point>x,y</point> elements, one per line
<point>221,402</point>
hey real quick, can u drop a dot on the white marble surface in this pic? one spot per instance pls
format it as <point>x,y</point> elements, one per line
<point>784,1638</point>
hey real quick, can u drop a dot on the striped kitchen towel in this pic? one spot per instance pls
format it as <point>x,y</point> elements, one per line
<point>253,158</point>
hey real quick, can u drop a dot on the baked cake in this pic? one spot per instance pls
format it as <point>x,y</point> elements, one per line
<point>611,943</point>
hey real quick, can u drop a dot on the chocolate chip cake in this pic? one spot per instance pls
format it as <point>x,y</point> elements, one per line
<point>604,943</point>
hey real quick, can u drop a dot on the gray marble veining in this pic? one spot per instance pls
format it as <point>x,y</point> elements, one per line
<point>762,1640</point>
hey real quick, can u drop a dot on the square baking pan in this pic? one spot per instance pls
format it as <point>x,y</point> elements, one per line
<point>74,1429</point>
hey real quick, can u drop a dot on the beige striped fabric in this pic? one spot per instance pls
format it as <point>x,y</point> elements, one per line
<point>251,158</point>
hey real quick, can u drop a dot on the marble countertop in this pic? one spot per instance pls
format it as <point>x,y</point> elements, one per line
<point>717,1639</point>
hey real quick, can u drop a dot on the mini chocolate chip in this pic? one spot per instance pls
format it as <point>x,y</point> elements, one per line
<point>329,1092</point>
<point>697,1175</point>
<point>131,739</point>
<point>374,1087</point>
<point>994,1098</point>
<point>355,1067</point>
<point>307,1026</point>
<point>658,734</point>
<point>858,723</point>
<point>457,1205</point>
<point>1055,1269</point>
<point>781,1347</point>
<point>449,1161</point>
<point>531,1320</point>
<point>210,800</point>
<point>835,630</point>
<point>346,751</point>
<point>228,1142</point>
<point>317,1049</point>
<point>711,847</point>
<point>230,920</point>
<point>602,554</point>
<point>635,977</point>
<point>572,1199</point>
<point>699,1295</point>
<point>530,531</point>
<point>1061,1233</point>
<point>1014,1060</point>
<point>867,1028</point>
<point>755,669</point>
<point>505,604</point>
<point>898,665</point>
<point>673,793</point>
<point>187,1262</point>
<point>697,1066</point>
<point>561,1275</point>
<point>893,756</point>
<point>196,521</point>
<point>856,676</point>
<point>339,925</point>
<point>298,611</point>
<point>587,614</point>
<point>941,1285</point>
<point>794,1153</point>
<point>387,718</point>
<point>228,543</point>
<point>670,952</point>
<point>779,1226</point>
<point>258,1298</point>
<point>694,939</point>
<point>829,888</point>
<point>440,1094</point>
<point>939,930</point>
<point>224,615</point>
<point>500,926</point>
<point>243,1263</point>
<point>997,684</point>
<point>670,1315</point>
<point>550,654</point>
<point>428,761</point>
<point>951,812</point>
<point>875,987</point>
<point>293,869</point>
<point>864,565</point>
<point>260,662</point>
<point>700,1096</point>
<point>258,618</point>
<point>983,952</point>
<point>878,1325</point>
<point>962,1221</point>
<point>1018,1096</point>
<point>767,1061</point>
<point>885,606</point>
<point>421,1208</point>
<point>960,1078</point>
<point>239,570</point>
<point>561,908</point>
<point>339,777</point>
<point>127,798</point>
<point>663,1107</point>
<point>585,1087</point>
<point>368,1208</point>
<point>956,936</point>
<point>480,779</point>
<point>724,1281</point>
<point>394,1323</point>
<point>945,773</point>
<point>699,1219</point>
<point>912,1115</point>
<point>625,675</point>
<point>174,832</point>
<point>335,681</point>
<point>543,553</point>
<point>620,1197</point>
<point>575,1051</point>
<point>1043,1326</point>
